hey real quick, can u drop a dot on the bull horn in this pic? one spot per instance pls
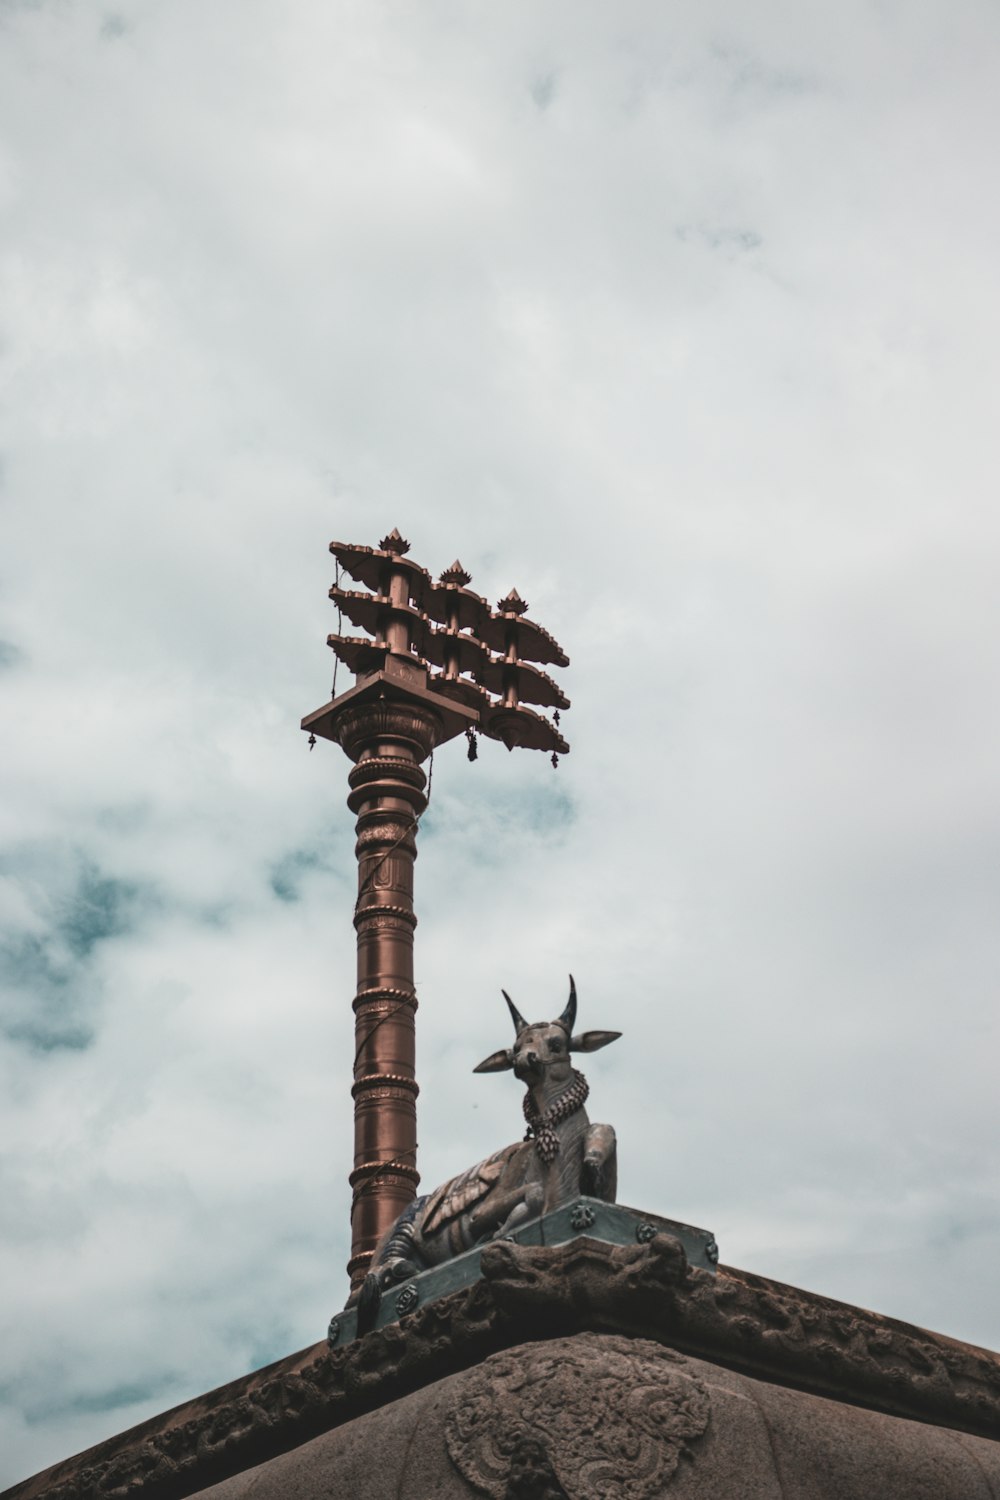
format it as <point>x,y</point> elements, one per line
<point>519,1022</point>
<point>568,1017</point>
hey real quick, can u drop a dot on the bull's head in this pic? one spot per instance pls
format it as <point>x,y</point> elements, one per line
<point>543,1049</point>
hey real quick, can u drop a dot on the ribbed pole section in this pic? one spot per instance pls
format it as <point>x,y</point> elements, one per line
<point>388,741</point>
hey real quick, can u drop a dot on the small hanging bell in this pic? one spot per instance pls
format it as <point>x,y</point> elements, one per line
<point>473,751</point>
<point>312,741</point>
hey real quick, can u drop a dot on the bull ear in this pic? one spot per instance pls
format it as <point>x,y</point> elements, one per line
<point>591,1041</point>
<point>497,1062</point>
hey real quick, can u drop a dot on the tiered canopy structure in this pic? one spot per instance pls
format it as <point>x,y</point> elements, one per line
<point>444,639</point>
<point>436,662</point>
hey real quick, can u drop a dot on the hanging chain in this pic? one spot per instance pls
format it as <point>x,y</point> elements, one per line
<point>340,621</point>
<point>369,1182</point>
<point>410,828</point>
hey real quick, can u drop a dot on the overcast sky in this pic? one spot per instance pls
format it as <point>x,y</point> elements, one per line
<point>684,320</point>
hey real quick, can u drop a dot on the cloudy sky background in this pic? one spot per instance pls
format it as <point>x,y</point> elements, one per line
<point>682,319</point>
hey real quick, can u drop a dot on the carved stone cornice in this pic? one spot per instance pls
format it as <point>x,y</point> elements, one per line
<point>762,1328</point>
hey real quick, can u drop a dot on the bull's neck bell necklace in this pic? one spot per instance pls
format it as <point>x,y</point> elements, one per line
<point>542,1127</point>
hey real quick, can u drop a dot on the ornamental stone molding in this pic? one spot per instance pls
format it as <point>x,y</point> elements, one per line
<point>600,1417</point>
<point>645,1292</point>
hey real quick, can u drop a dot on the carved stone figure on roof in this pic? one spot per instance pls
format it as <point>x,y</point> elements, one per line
<point>561,1157</point>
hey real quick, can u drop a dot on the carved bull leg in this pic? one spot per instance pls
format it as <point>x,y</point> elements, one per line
<point>599,1174</point>
<point>494,1215</point>
<point>528,1207</point>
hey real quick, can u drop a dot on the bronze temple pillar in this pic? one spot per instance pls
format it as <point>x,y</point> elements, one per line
<point>388,741</point>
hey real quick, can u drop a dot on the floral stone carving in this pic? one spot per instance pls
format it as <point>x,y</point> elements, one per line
<point>604,1415</point>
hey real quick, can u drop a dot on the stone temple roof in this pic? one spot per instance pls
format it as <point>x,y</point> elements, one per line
<point>583,1371</point>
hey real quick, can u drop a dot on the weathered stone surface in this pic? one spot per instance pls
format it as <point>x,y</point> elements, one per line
<point>736,1321</point>
<point>603,1415</point>
<point>599,1417</point>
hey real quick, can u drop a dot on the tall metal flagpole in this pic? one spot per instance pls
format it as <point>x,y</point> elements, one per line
<point>437,663</point>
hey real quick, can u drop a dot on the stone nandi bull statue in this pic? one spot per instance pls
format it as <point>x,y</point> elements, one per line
<point>562,1156</point>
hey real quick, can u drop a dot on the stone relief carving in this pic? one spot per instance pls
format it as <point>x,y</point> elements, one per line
<point>604,1415</point>
<point>531,1475</point>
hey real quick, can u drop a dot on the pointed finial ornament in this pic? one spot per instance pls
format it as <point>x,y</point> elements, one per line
<point>456,574</point>
<point>513,604</point>
<point>394,542</point>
